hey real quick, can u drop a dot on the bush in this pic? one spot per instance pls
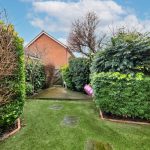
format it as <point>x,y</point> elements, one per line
<point>79,69</point>
<point>35,76</point>
<point>122,95</point>
<point>127,53</point>
<point>67,77</point>
<point>76,75</point>
<point>13,107</point>
<point>29,89</point>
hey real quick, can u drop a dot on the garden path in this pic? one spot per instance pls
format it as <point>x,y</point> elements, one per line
<point>58,92</point>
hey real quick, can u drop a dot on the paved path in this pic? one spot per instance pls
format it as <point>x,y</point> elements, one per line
<point>60,93</point>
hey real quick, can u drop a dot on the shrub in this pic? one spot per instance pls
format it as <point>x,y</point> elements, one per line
<point>35,76</point>
<point>122,95</point>
<point>127,53</point>
<point>76,74</point>
<point>67,77</point>
<point>14,82</point>
<point>79,69</point>
<point>29,89</point>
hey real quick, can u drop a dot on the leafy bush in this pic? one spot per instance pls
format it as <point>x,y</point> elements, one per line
<point>122,95</point>
<point>127,53</point>
<point>76,75</point>
<point>13,108</point>
<point>35,76</point>
<point>79,69</point>
<point>29,89</point>
<point>67,77</point>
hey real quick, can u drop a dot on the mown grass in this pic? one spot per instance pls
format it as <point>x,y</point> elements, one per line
<point>43,129</point>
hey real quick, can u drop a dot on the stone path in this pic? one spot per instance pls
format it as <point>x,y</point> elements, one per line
<point>60,93</point>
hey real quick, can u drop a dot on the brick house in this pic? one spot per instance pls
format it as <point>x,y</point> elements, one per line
<point>49,50</point>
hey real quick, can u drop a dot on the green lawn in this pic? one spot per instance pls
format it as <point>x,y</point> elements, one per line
<point>43,129</point>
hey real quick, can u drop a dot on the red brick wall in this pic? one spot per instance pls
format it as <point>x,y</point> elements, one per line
<point>51,52</point>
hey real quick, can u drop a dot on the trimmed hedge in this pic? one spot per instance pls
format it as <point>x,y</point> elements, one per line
<point>10,111</point>
<point>76,75</point>
<point>35,77</point>
<point>79,68</point>
<point>127,53</point>
<point>122,95</point>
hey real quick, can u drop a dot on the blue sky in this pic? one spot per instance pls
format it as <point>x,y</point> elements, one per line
<point>55,17</point>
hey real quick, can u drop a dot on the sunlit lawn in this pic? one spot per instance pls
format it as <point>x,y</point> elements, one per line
<point>44,130</point>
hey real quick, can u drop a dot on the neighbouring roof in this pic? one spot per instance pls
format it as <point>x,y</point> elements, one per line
<point>51,37</point>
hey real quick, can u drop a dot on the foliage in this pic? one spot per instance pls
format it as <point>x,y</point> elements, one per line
<point>11,110</point>
<point>122,95</point>
<point>127,53</point>
<point>76,75</point>
<point>67,76</point>
<point>79,69</point>
<point>29,89</point>
<point>35,76</point>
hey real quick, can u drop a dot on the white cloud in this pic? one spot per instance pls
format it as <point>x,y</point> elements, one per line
<point>58,15</point>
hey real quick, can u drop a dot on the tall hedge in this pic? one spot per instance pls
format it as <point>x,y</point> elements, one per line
<point>79,68</point>
<point>11,110</point>
<point>35,76</point>
<point>76,74</point>
<point>126,53</point>
<point>122,95</point>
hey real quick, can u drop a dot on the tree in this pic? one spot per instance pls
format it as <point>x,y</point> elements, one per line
<point>83,38</point>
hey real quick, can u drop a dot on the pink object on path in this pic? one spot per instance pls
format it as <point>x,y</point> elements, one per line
<point>88,89</point>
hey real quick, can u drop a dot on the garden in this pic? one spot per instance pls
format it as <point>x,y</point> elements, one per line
<point>118,74</point>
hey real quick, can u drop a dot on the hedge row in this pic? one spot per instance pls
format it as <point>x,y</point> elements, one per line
<point>122,95</point>
<point>126,53</point>
<point>10,111</point>
<point>35,77</point>
<point>76,75</point>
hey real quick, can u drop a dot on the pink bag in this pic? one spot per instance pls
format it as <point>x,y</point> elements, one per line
<point>88,89</point>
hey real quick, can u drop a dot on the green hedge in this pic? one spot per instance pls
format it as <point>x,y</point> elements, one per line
<point>79,68</point>
<point>35,77</point>
<point>67,77</point>
<point>122,95</point>
<point>127,53</point>
<point>10,111</point>
<point>76,75</point>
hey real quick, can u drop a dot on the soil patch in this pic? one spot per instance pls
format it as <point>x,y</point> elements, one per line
<point>5,132</point>
<point>115,118</point>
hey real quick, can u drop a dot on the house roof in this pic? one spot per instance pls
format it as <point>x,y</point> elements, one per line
<point>43,32</point>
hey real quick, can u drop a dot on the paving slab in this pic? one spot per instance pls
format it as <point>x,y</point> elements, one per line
<point>56,107</point>
<point>61,93</point>
<point>70,121</point>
